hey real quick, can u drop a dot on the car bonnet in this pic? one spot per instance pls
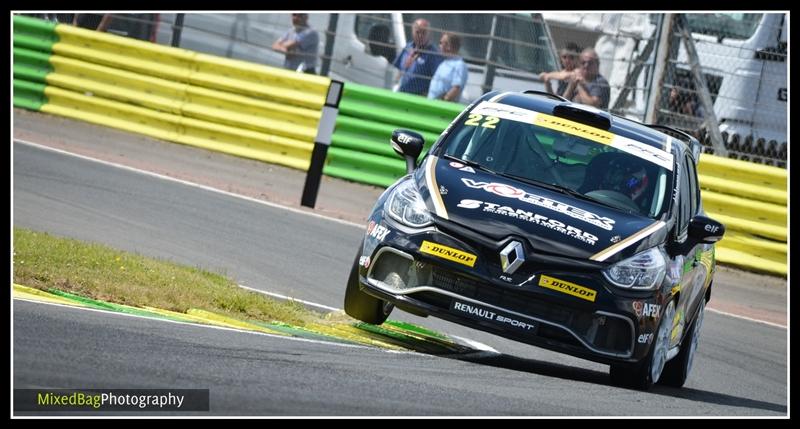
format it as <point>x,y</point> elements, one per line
<point>552,222</point>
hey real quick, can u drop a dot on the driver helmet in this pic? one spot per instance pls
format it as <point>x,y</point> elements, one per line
<point>627,177</point>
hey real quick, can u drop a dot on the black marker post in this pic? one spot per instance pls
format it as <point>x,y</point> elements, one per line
<point>324,132</point>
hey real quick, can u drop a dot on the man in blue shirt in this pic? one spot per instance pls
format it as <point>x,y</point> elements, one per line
<point>299,44</point>
<point>418,60</point>
<point>451,76</point>
<point>587,85</point>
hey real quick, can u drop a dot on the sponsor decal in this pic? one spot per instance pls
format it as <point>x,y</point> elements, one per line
<point>506,279</point>
<point>636,148</point>
<point>449,253</point>
<point>402,138</point>
<point>615,239</point>
<point>377,231</point>
<point>645,338</point>
<point>442,190</point>
<point>509,191</point>
<point>643,309</point>
<point>568,288</point>
<point>505,111</point>
<point>711,228</point>
<point>467,169</point>
<point>479,313</point>
<point>532,217</point>
<point>456,164</point>
<point>574,128</point>
<point>364,261</point>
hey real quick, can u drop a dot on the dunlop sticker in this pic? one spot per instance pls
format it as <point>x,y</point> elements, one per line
<point>574,128</point>
<point>568,288</point>
<point>448,253</point>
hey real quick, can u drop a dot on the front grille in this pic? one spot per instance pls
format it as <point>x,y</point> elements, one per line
<point>518,301</point>
<point>609,334</point>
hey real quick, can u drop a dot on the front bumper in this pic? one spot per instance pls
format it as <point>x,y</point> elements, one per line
<point>605,330</point>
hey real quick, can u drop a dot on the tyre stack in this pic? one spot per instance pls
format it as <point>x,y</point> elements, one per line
<point>746,148</point>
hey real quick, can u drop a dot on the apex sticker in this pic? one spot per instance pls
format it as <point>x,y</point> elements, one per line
<point>377,231</point>
<point>449,253</point>
<point>646,310</point>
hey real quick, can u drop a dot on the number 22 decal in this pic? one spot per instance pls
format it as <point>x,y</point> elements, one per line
<point>474,121</point>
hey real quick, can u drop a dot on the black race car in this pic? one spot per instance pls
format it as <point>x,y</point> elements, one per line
<point>550,223</point>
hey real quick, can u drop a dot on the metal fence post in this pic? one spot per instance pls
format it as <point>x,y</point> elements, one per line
<point>177,27</point>
<point>712,125</point>
<point>330,39</point>
<point>324,133</point>
<point>488,78</point>
<point>662,57</point>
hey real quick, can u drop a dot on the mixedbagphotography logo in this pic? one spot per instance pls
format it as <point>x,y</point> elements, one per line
<point>147,400</point>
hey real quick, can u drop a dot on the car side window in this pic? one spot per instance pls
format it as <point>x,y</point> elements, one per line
<point>375,31</point>
<point>694,186</point>
<point>685,199</point>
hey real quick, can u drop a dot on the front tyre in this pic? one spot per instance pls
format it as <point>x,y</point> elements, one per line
<point>361,306</point>
<point>647,372</point>
<point>677,370</point>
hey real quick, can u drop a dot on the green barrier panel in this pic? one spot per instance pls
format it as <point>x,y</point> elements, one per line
<point>29,95</point>
<point>390,115</point>
<point>360,149</point>
<point>34,33</point>
<point>408,102</point>
<point>33,43</point>
<point>34,59</point>
<point>363,167</point>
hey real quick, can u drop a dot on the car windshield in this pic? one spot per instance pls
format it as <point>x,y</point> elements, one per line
<point>534,147</point>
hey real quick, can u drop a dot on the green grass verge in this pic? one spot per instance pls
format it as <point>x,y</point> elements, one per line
<point>95,271</point>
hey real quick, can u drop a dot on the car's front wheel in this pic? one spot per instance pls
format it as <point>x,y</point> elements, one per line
<point>677,370</point>
<point>361,306</point>
<point>647,372</point>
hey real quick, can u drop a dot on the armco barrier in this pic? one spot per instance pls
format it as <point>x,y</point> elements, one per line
<point>751,200</point>
<point>360,149</point>
<point>169,93</point>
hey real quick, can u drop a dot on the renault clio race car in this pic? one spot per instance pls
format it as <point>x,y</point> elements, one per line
<point>550,223</point>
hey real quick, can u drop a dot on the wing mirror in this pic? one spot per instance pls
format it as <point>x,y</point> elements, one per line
<point>408,144</point>
<point>706,230</point>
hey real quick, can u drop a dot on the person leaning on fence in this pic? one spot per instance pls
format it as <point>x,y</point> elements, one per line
<point>569,61</point>
<point>451,75</point>
<point>683,100</point>
<point>92,21</point>
<point>299,45</point>
<point>586,85</point>
<point>418,60</point>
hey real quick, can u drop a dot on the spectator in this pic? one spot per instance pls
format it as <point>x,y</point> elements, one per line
<point>569,61</point>
<point>92,21</point>
<point>451,75</point>
<point>299,44</point>
<point>683,100</point>
<point>417,61</point>
<point>586,85</point>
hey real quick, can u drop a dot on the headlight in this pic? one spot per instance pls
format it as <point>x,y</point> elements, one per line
<point>405,205</point>
<point>644,270</point>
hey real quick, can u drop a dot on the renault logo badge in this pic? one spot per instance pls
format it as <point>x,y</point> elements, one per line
<point>511,257</point>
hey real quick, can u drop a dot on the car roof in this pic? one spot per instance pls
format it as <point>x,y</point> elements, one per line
<point>546,103</point>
